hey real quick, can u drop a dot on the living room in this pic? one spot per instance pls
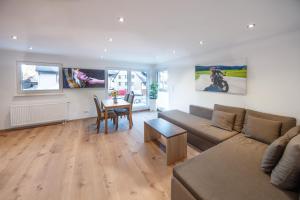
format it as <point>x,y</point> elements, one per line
<point>87,85</point>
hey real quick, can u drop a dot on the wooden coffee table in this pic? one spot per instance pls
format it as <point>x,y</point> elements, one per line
<point>171,136</point>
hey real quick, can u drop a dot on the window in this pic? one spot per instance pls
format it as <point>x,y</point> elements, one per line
<point>124,81</point>
<point>162,81</point>
<point>163,94</point>
<point>38,77</point>
<point>115,82</point>
<point>139,87</point>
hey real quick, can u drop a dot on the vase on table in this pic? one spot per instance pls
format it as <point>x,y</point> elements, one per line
<point>115,100</point>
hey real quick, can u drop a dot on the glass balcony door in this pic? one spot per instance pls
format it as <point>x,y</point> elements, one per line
<point>139,85</point>
<point>163,93</point>
<point>117,80</point>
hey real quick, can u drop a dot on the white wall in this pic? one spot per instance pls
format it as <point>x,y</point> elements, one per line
<point>81,102</point>
<point>273,76</point>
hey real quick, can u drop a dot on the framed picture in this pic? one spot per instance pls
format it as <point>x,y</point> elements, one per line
<point>222,78</point>
<point>83,78</point>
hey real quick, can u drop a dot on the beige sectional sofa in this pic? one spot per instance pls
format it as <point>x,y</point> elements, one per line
<point>229,169</point>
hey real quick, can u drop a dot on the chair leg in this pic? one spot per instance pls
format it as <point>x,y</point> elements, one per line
<point>129,120</point>
<point>117,122</point>
<point>98,124</point>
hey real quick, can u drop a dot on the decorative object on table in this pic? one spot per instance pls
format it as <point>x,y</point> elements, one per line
<point>222,78</point>
<point>83,78</point>
<point>114,95</point>
<point>153,96</point>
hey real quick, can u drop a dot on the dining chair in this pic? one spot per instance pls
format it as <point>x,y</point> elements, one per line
<point>126,97</point>
<point>121,112</point>
<point>100,114</point>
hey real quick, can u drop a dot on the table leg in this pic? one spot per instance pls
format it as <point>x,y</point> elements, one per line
<point>105,118</point>
<point>130,117</point>
<point>176,148</point>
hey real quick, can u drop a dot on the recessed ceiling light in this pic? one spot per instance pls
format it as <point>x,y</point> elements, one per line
<point>14,37</point>
<point>121,19</point>
<point>250,26</point>
<point>30,48</point>
<point>110,39</point>
<point>174,52</point>
<point>201,42</point>
<point>105,50</point>
<point>101,57</point>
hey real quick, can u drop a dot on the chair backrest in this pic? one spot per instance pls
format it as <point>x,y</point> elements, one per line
<point>98,108</point>
<point>131,98</point>
<point>126,97</point>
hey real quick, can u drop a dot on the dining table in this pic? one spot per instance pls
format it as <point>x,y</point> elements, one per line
<point>110,104</point>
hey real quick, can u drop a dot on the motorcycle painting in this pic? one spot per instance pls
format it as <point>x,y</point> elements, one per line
<point>221,78</point>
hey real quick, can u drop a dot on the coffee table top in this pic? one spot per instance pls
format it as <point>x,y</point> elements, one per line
<point>165,128</point>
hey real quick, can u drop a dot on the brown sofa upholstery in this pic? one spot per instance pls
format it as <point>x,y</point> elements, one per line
<point>230,169</point>
<point>198,124</point>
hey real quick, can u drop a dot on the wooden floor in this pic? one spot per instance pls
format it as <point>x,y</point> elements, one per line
<point>71,161</point>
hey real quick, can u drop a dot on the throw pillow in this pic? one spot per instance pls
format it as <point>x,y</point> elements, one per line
<point>223,120</point>
<point>274,151</point>
<point>262,129</point>
<point>286,174</point>
<point>239,112</point>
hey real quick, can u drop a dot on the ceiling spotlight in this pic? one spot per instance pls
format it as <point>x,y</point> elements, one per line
<point>250,26</point>
<point>174,52</point>
<point>105,50</point>
<point>110,39</point>
<point>14,37</point>
<point>121,19</point>
<point>30,48</point>
<point>201,42</point>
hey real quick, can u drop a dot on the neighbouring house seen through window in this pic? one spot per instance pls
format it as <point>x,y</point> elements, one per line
<point>39,77</point>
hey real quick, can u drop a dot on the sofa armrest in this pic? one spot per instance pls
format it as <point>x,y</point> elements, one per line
<point>201,111</point>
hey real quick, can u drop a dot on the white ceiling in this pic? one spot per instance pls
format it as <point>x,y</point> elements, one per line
<point>151,31</point>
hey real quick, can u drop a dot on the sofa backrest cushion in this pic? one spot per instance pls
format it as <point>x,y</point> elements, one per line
<point>274,151</point>
<point>223,120</point>
<point>286,174</point>
<point>263,130</point>
<point>287,122</point>
<point>240,115</point>
<point>201,111</point>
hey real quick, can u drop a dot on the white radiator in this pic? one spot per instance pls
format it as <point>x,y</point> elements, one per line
<point>39,113</point>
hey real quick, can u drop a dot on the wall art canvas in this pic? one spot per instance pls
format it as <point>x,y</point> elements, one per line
<point>83,78</point>
<point>222,78</point>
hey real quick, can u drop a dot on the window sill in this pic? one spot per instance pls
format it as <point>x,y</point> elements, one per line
<point>39,94</point>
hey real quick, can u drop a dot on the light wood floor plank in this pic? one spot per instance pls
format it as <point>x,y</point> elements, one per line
<point>72,162</point>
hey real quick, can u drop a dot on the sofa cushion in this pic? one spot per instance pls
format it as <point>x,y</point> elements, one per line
<point>196,125</point>
<point>286,174</point>
<point>200,111</point>
<point>274,151</point>
<point>287,122</point>
<point>262,130</point>
<point>230,171</point>
<point>240,115</point>
<point>223,120</point>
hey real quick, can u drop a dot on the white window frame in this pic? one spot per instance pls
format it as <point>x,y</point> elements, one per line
<point>129,70</point>
<point>37,92</point>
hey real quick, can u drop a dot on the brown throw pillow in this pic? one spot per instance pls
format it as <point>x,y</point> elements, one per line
<point>274,151</point>
<point>223,120</point>
<point>262,129</point>
<point>239,112</point>
<point>286,174</point>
